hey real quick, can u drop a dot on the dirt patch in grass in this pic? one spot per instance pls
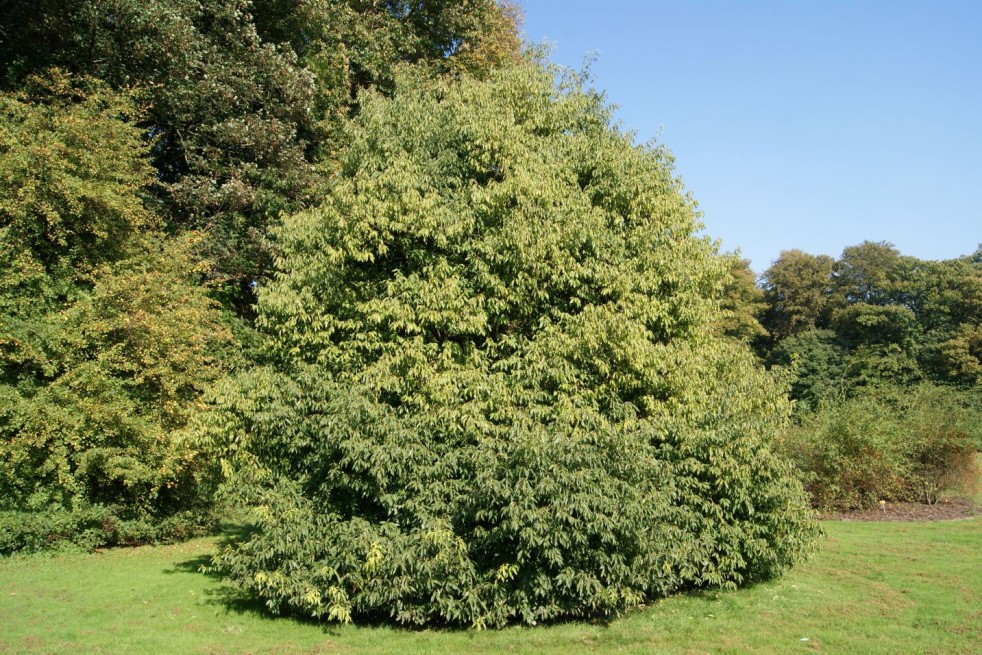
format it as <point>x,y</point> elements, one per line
<point>946,509</point>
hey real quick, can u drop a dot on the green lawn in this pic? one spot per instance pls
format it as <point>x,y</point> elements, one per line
<point>874,588</point>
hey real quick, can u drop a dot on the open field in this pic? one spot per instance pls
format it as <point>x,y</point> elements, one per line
<point>873,588</point>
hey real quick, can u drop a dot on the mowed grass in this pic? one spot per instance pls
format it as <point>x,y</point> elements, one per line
<point>873,588</point>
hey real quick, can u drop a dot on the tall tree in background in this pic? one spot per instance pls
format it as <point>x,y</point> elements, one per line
<point>872,317</point>
<point>106,339</point>
<point>799,293</point>
<point>867,274</point>
<point>947,298</point>
<point>243,99</point>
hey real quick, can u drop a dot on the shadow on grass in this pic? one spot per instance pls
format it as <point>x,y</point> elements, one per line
<point>224,594</point>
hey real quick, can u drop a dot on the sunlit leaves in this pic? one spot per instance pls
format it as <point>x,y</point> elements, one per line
<point>106,340</point>
<point>245,100</point>
<point>495,388</point>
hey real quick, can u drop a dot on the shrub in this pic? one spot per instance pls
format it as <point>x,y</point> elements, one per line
<point>940,423</point>
<point>942,460</point>
<point>496,388</point>
<point>892,443</point>
<point>89,527</point>
<point>852,454</point>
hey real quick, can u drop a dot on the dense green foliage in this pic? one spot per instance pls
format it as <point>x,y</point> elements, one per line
<point>888,365</point>
<point>873,317</point>
<point>494,375</point>
<point>106,340</point>
<point>496,387</point>
<point>245,99</point>
<point>888,444</point>
<point>145,150</point>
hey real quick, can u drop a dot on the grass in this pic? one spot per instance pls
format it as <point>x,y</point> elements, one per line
<point>874,588</point>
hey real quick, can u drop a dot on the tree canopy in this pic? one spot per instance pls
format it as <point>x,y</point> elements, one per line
<point>872,317</point>
<point>106,339</point>
<point>146,151</point>
<point>244,99</point>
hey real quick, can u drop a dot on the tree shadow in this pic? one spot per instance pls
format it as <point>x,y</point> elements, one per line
<point>224,594</point>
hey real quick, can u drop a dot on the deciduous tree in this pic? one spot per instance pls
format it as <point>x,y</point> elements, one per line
<point>106,339</point>
<point>798,289</point>
<point>244,99</point>
<point>496,388</point>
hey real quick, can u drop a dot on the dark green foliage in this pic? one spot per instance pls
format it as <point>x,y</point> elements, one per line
<point>229,115</point>
<point>244,100</point>
<point>87,527</point>
<point>818,359</point>
<point>496,388</point>
<point>884,319</point>
<point>799,293</point>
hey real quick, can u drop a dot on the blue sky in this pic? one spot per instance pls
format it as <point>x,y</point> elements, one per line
<point>798,124</point>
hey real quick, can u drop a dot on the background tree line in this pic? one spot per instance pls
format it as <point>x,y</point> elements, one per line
<point>872,317</point>
<point>886,351</point>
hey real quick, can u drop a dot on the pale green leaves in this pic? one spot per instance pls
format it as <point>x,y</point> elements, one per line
<point>494,361</point>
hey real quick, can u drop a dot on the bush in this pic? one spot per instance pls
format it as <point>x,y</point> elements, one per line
<point>942,425</point>
<point>496,390</point>
<point>94,526</point>
<point>851,455</point>
<point>887,443</point>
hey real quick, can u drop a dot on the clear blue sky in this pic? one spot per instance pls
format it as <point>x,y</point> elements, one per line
<point>798,124</point>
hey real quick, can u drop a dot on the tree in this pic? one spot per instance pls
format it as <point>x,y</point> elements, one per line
<point>229,115</point>
<point>496,387</point>
<point>73,173</point>
<point>798,290</point>
<point>881,318</point>
<point>245,100</point>
<point>865,273</point>
<point>106,340</point>
<point>946,296</point>
<point>743,303</point>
